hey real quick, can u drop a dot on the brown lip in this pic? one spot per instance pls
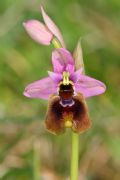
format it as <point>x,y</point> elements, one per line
<point>57,115</point>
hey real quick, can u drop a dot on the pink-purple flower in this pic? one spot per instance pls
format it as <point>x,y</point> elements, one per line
<point>63,62</point>
<point>66,87</point>
<point>66,90</point>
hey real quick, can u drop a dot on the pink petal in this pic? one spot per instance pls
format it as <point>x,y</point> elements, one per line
<point>55,76</point>
<point>66,56</point>
<point>58,65</point>
<point>89,86</point>
<point>41,89</point>
<point>76,75</point>
<point>69,68</point>
<point>52,27</point>
<point>38,32</point>
<point>62,58</point>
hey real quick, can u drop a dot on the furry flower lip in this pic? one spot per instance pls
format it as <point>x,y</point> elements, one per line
<point>66,90</point>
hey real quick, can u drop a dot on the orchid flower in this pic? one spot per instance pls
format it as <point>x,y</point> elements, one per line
<point>66,89</point>
<point>43,33</point>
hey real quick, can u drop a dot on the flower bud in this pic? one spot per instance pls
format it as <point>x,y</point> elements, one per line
<point>38,32</point>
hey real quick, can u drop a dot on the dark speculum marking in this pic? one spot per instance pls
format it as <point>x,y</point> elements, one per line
<point>66,102</point>
<point>66,93</point>
<point>56,115</point>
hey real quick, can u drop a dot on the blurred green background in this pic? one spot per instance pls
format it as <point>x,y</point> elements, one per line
<point>26,148</point>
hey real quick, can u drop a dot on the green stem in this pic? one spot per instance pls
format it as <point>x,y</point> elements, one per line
<point>75,137</point>
<point>56,43</point>
<point>74,156</point>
